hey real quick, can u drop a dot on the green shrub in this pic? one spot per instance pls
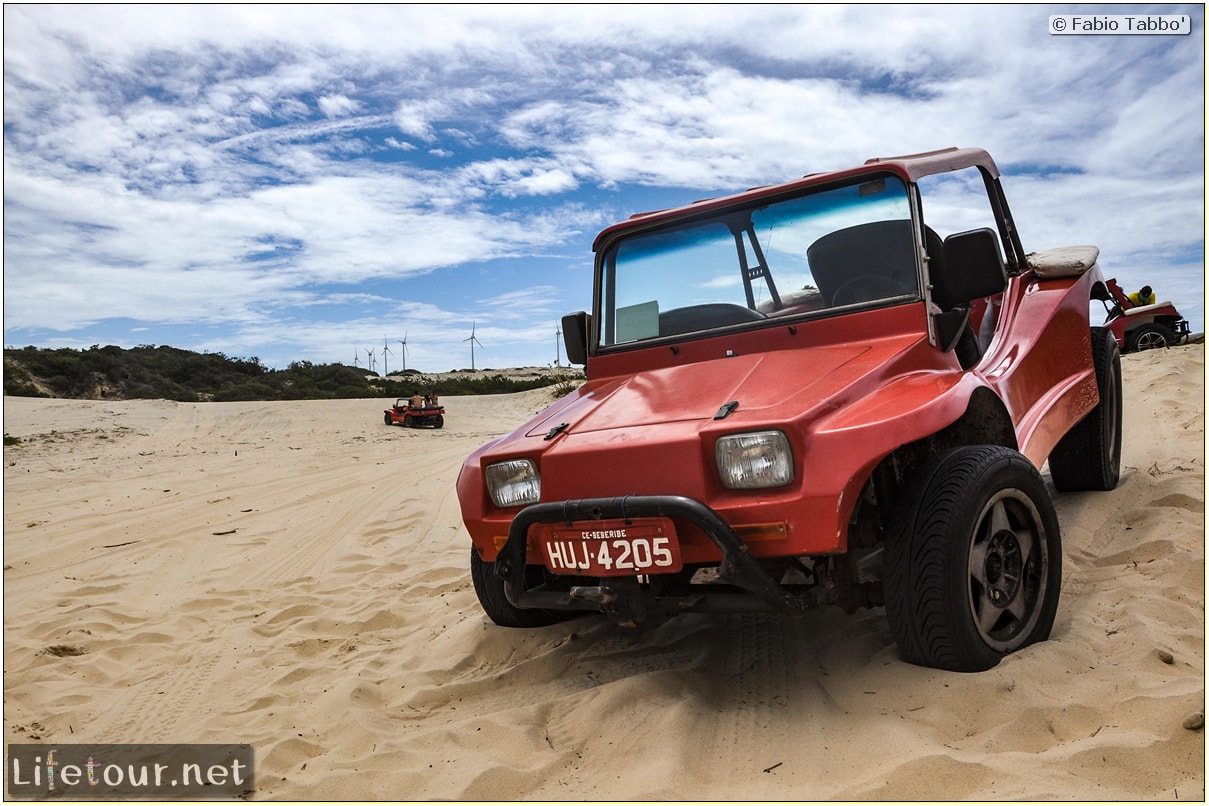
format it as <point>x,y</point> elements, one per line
<point>169,373</point>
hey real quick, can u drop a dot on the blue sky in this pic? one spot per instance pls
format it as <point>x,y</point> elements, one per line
<point>310,182</point>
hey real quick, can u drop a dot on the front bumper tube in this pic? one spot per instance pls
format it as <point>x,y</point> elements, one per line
<point>622,596</point>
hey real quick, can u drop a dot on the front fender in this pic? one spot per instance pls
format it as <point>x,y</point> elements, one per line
<point>906,410</point>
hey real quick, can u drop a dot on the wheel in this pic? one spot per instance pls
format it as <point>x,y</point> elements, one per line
<point>1089,456</point>
<point>1150,336</point>
<point>973,561</point>
<point>408,422</point>
<point>490,590</point>
<point>387,420</point>
<point>438,421</point>
<point>864,288</point>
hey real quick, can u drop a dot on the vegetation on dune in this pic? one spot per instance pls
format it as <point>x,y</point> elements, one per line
<point>169,373</point>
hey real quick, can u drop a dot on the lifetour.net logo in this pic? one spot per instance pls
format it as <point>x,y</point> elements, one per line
<point>100,771</point>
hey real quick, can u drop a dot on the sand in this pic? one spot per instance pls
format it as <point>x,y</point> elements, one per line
<point>294,576</point>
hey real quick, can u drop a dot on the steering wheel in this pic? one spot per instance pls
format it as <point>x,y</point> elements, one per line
<point>872,284</point>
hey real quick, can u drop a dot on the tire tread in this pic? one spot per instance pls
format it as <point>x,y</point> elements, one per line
<point>1082,460</point>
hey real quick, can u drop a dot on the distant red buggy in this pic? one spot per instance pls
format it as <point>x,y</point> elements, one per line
<point>413,413</point>
<point>1143,327</point>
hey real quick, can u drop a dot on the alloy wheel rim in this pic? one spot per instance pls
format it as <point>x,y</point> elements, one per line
<point>1008,570</point>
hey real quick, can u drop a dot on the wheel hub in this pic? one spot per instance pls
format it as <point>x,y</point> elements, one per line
<point>1003,568</point>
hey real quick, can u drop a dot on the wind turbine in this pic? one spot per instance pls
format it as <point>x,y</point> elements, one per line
<point>370,353</point>
<point>472,341</point>
<point>558,334</point>
<point>403,350</point>
<point>356,357</point>
<point>385,352</point>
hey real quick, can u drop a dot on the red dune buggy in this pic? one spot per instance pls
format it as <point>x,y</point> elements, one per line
<point>1143,327</point>
<point>414,416</point>
<point>832,391</point>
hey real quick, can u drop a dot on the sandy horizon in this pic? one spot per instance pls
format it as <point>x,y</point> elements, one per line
<point>294,575</point>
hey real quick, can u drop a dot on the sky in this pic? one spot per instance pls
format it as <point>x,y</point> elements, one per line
<point>315,182</point>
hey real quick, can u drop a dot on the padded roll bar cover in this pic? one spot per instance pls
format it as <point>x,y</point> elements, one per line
<point>1063,261</point>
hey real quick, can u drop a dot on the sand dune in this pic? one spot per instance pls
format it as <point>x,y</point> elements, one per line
<point>294,576</point>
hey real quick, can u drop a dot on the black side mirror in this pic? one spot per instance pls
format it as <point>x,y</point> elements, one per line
<point>973,268</point>
<point>575,337</point>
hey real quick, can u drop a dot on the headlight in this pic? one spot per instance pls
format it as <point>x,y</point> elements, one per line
<point>753,461</point>
<point>514,483</point>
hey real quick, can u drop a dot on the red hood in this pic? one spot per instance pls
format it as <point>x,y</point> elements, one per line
<point>697,391</point>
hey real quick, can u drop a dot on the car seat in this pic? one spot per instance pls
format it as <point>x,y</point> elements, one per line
<point>882,253</point>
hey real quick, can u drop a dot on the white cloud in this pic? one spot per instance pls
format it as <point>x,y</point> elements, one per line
<point>415,118</point>
<point>337,105</point>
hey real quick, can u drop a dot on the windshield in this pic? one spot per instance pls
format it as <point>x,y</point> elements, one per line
<point>834,248</point>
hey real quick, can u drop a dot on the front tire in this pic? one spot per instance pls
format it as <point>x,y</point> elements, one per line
<point>490,589</point>
<point>1089,456</point>
<point>973,561</point>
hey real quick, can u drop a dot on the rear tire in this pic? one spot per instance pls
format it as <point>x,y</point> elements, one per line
<point>408,421</point>
<point>1150,336</point>
<point>973,561</point>
<point>438,422</point>
<point>490,589</point>
<point>1089,456</point>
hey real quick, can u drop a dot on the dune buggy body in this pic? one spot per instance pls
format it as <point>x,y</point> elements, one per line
<point>1143,327</point>
<point>805,395</point>
<point>409,416</point>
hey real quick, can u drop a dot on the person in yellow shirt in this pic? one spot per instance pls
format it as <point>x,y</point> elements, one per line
<point>1143,297</point>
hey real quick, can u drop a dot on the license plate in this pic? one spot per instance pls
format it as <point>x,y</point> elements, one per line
<point>611,548</point>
